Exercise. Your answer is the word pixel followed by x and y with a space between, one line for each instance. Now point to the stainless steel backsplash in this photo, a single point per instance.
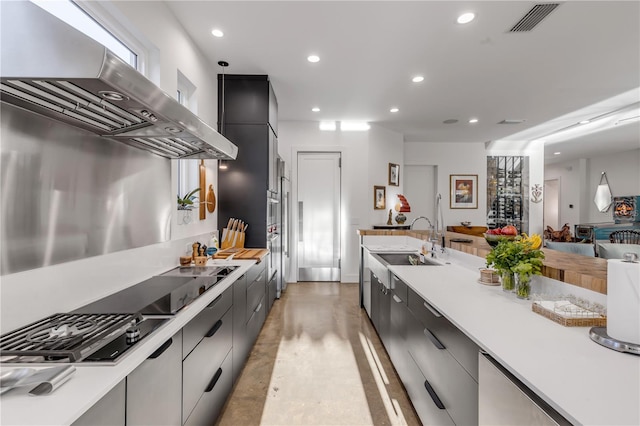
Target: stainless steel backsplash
pixel 68 194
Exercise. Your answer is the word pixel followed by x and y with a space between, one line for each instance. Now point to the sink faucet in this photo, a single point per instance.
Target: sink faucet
pixel 421 217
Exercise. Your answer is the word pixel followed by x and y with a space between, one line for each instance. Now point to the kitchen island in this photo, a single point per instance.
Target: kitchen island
pixel 90 383
pixel 583 381
pixel 582 271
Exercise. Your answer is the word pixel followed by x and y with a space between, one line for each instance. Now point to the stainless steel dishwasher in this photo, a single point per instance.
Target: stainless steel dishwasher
pixel 505 400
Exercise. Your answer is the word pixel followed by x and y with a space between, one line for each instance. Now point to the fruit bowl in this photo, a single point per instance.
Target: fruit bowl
pixel 494 239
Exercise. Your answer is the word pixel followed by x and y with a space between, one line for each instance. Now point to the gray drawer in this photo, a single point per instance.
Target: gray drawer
pixel 255 322
pixel 463 349
pixel 205 321
pixel 202 363
pixel 399 288
pixel 255 293
pixel 255 271
pixel 422 401
pixel 457 390
pixel 210 404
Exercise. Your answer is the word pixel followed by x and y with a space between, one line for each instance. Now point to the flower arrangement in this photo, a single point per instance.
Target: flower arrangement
pixel 517 256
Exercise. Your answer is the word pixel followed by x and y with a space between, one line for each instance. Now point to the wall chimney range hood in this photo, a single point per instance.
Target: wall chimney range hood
pixel 49 67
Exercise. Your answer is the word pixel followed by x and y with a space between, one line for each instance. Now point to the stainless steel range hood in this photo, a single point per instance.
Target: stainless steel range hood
pixel 49 67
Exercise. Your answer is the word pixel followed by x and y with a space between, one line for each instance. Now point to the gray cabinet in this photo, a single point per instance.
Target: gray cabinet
pixel 154 388
pixel 249 313
pixel 432 342
pixel 215 394
pixel 201 367
pixel 241 345
pixel 108 411
pixel 380 308
pixel 398 322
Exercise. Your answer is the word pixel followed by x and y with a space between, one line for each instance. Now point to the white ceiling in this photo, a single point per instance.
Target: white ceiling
pixel 583 53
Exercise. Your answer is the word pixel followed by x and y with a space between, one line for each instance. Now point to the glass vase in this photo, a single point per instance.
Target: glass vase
pixel 508 283
pixel 523 286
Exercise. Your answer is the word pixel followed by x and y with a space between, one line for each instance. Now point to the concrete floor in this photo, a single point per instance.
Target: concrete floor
pixel 318 361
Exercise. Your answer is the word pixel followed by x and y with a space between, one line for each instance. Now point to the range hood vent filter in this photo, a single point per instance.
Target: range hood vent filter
pixel 533 17
pixel 59 72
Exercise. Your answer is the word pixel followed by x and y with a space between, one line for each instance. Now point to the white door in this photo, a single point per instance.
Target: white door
pixel 318 216
pixel 420 190
pixel 551 200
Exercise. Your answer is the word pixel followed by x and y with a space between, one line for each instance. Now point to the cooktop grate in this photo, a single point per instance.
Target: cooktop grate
pixel 65 337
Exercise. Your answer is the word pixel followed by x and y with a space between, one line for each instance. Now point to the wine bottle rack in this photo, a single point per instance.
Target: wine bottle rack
pixel 507 200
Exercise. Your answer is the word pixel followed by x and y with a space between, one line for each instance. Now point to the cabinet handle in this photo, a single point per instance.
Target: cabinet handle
pixel 259 277
pixel 397 299
pixel 216 300
pixel 161 349
pixel 433 395
pixel 433 310
pixel 437 343
pixel 214 380
pixel 300 222
pixel 258 308
pixel 214 329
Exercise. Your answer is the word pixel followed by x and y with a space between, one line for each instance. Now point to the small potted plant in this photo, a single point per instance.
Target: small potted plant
pixel 186 202
pixel 519 257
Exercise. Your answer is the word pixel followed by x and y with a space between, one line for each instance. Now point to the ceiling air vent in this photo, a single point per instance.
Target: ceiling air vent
pixel 533 17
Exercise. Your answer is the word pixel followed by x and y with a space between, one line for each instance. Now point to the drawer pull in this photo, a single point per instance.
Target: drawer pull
pixel 259 278
pixel 214 329
pixel 216 300
pixel 433 395
pixel 397 299
pixel 433 310
pixel 258 308
pixel 214 380
pixel 437 343
pixel 161 349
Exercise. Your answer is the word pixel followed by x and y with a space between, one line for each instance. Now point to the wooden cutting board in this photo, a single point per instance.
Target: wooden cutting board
pixel 256 254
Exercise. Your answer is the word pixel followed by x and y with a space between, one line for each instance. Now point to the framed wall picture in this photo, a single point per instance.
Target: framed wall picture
pixel 394 174
pixel 463 191
pixel 379 198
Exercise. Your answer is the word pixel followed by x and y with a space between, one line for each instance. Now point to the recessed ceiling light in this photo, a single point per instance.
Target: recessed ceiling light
pixel 394 109
pixel 313 58
pixel 315 109
pixel 473 120
pixel 417 79
pixel 465 18
pixel 557 153
pixel 328 125
pixel 217 33
pixel 354 126
pixel 584 122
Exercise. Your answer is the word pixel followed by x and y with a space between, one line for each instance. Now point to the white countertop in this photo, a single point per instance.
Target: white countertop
pixel 585 382
pixel 90 383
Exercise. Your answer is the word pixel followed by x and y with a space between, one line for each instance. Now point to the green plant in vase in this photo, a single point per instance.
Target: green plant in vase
pixel 506 257
pixel 530 263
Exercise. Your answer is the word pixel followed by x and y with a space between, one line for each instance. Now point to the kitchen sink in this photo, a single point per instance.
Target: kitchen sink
pixel 405 259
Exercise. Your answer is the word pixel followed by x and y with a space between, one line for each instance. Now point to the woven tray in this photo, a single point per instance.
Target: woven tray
pixel 569 322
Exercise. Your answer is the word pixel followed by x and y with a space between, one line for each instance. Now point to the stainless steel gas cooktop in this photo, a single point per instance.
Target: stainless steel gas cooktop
pixel 104 330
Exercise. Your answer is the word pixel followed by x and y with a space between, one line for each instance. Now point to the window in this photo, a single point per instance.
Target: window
pixel 186 93
pixel 73 15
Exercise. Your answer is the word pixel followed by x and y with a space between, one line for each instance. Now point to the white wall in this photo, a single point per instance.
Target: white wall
pixel 453 158
pixel 569 177
pixel 365 158
pixel 30 295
